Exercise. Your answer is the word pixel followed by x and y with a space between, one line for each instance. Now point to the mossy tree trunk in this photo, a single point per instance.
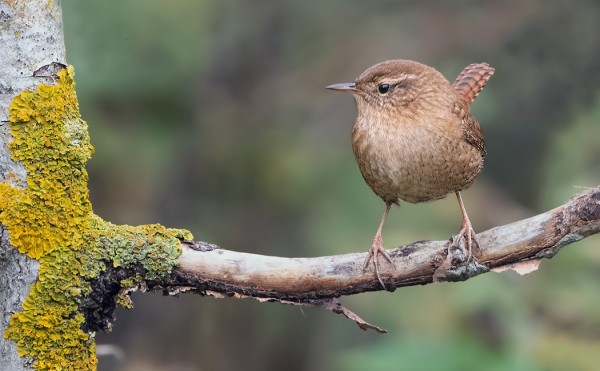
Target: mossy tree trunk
pixel 31 37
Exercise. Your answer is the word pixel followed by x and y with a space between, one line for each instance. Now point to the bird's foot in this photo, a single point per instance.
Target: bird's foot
pixel 375 250
pixel 468 234
pixel 461 261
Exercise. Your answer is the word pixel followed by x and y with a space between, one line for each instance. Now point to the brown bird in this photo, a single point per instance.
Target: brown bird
pixel 414 138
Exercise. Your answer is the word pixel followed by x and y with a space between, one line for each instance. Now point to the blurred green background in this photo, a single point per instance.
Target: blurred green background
pixel 212 116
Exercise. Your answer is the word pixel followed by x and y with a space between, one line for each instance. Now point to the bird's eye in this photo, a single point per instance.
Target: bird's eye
pixel 383 88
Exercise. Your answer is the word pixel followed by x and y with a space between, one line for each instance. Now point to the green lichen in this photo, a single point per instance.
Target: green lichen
pixel 123 298
pixel 52 221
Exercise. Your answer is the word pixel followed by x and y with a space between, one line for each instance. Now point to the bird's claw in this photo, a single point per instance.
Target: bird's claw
pixel 375 250
pixel 468 234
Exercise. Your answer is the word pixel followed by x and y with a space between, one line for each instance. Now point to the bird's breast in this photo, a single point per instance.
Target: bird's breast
pixel 414 161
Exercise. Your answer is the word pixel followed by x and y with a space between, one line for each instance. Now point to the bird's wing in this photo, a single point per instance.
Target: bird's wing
pixel 473 134
pixel 471 80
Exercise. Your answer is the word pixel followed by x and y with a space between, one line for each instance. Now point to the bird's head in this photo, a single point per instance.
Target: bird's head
pixel 393 85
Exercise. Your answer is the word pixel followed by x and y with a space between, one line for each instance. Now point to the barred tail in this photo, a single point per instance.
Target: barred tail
pixel 471 80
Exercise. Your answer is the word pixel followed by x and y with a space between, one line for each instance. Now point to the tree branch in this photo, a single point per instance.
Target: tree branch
pixel 208 269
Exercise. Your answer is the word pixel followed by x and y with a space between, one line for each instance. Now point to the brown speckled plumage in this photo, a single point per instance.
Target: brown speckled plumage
pixel 414 138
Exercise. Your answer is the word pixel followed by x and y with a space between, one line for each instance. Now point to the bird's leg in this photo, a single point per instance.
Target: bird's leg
pixel 466 231
pixel 377 247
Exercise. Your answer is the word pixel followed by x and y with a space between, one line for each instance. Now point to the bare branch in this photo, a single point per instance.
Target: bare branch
pixel 207 268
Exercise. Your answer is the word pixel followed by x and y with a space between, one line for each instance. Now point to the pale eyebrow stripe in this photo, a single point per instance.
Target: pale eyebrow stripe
pixel 397 80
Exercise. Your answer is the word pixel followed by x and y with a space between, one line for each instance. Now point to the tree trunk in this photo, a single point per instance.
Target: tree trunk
pixel 31 37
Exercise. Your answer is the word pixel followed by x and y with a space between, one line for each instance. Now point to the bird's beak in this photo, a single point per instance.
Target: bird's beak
pixel 348 86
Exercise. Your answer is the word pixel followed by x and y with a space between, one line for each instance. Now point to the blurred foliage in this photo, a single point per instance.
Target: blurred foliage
pixel 212 116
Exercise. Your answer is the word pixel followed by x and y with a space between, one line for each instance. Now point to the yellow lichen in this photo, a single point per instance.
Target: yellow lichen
pixel 52 220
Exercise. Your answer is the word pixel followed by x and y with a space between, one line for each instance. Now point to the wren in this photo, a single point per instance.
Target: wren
pixel 415 139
